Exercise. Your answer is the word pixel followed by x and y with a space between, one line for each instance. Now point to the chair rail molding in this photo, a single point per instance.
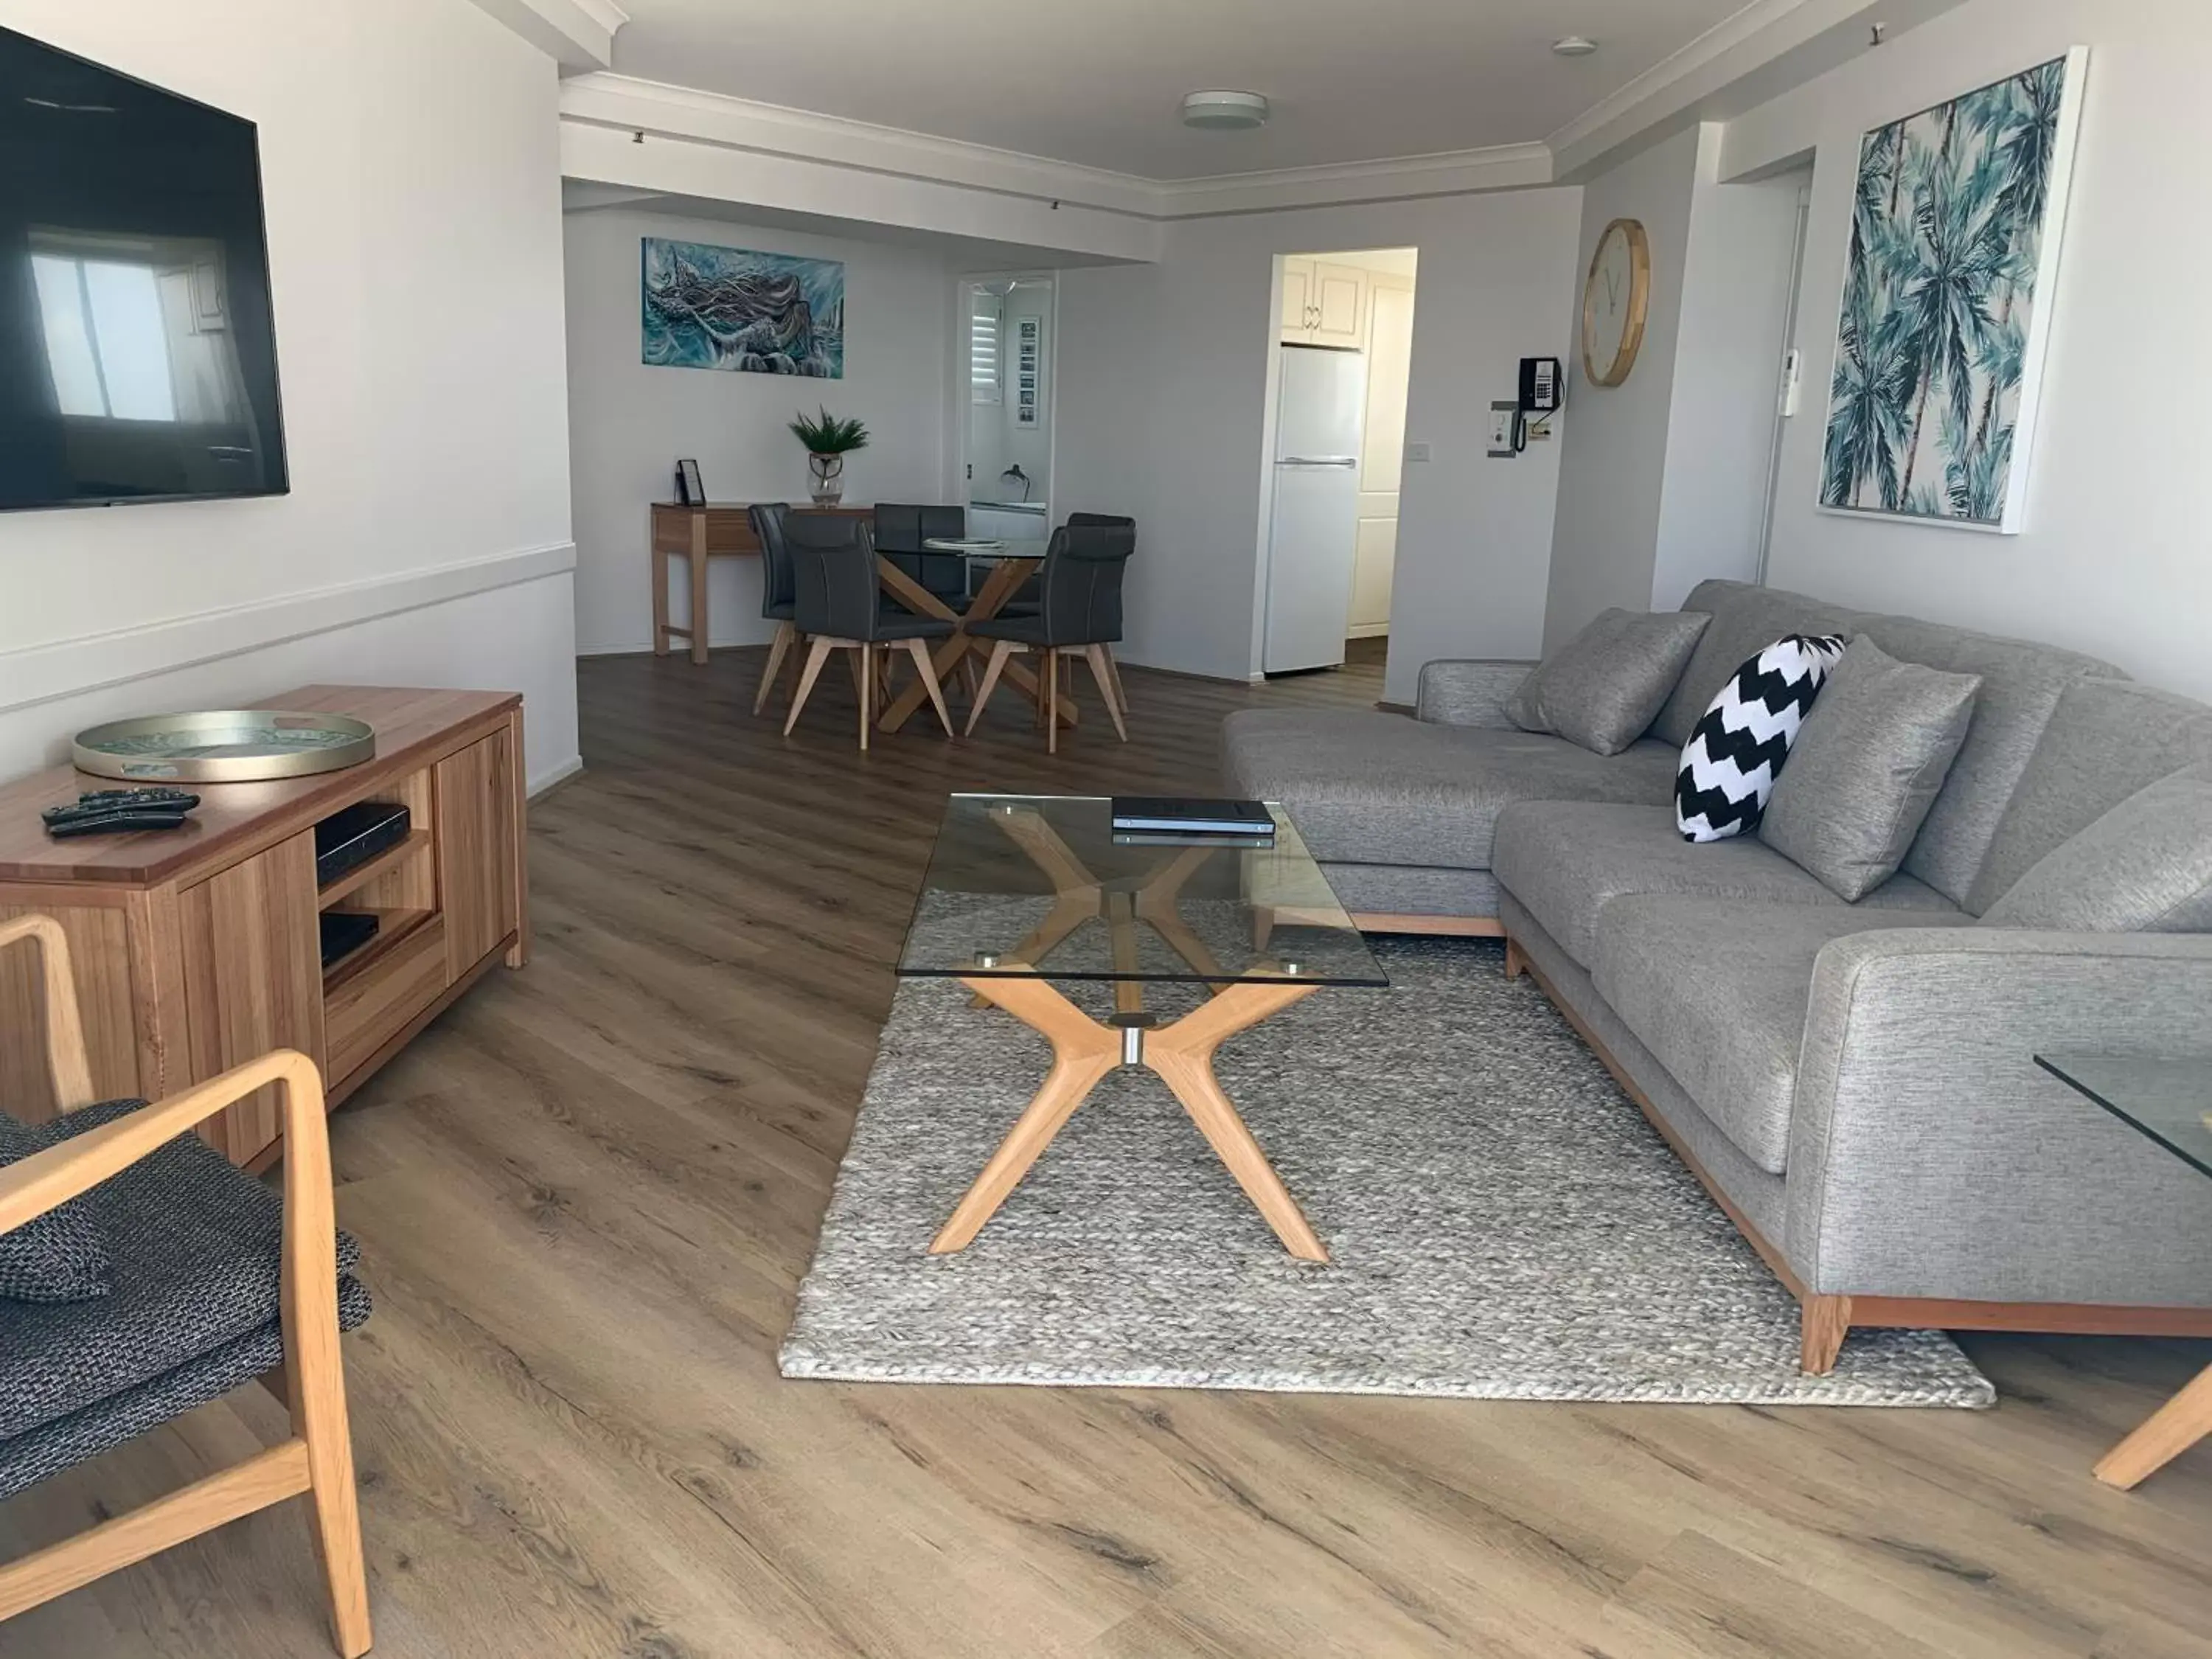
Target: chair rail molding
pixel 41 673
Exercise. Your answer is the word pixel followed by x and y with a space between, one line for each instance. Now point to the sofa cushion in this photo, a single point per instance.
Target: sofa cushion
pixel 1733 759
pixel 2022 683
pixel 1375 788
pixel 1866 767
pixel 2144 867
pixel 1717 989
pixel 2107 739
pixel 1601 689
pixel 1745 619
pixel 1565 860
pixel 59 1256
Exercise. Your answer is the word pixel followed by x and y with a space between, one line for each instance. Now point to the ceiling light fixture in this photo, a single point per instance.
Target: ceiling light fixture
pixel 1224 111
pixel 1574 45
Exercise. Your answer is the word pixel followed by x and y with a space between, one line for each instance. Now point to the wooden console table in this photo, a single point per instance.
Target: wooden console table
pixel 198 949
pixel 698 534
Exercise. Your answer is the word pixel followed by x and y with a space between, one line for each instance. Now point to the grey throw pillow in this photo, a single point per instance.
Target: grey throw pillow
pixel 2144 867
pixel 60 1256
pixel 1602 689
pixel 1866 767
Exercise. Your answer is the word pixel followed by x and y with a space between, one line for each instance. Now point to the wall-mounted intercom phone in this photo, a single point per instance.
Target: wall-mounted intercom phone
pixel 1543 389
pixel 1541 385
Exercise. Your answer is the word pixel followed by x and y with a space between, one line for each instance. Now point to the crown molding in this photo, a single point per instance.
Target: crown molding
pixel 1453 172
pixel 1763 51
pixel 577 34
pixel 661 110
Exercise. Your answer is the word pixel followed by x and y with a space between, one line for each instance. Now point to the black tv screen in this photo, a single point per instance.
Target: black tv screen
pixel 137 350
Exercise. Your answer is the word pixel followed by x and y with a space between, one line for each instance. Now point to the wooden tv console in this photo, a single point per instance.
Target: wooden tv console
pixel 195 949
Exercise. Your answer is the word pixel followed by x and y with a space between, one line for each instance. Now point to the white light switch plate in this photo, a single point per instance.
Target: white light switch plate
pixel 1417 452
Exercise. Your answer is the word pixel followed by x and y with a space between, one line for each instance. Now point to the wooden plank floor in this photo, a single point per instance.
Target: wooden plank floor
pixel 588 1194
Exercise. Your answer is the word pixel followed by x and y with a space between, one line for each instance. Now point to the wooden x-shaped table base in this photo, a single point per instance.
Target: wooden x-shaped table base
pixel 990 598
pixel 1181 1054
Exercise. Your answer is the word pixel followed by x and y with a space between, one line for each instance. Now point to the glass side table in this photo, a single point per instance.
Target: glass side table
pixel 2171 1102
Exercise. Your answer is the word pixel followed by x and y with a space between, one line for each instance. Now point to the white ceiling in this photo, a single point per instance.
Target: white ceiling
pixel 1099 81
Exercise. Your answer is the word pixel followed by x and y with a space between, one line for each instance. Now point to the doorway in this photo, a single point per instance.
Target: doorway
pixel 1010 354
pixel 1337 440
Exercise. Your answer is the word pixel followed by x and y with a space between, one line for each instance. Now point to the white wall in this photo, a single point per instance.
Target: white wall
pixel 629 423
pixel 1612 466
pixel 1166 391
pixel 2114 559
pixel 1729 345
pixel 410 166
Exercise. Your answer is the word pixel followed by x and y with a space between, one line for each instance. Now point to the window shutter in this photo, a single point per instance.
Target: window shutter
pixel 986 352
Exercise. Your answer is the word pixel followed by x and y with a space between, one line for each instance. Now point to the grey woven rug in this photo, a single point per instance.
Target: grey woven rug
pixel 1503 1222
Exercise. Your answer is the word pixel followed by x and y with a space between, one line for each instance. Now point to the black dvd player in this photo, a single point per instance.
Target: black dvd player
pixel 352 836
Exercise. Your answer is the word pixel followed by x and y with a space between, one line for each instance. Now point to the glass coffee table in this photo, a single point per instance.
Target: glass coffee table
pixel 1026 893
pixel 2171 1102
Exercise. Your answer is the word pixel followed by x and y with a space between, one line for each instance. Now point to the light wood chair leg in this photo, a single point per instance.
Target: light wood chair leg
pixel 314 1380
pixel 816 655
pixel 2172 1430
pixel 1096 656
pixel 923 666
pixel 1114 668
pixel 1824 1322
pixel 1000 650
pixel 868 656
pixel 785 634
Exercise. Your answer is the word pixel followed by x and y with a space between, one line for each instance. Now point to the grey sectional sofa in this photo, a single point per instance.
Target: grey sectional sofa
pixel 1854 1083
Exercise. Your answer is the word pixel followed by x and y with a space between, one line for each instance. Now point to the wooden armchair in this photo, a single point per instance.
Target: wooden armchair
pixel 177 1307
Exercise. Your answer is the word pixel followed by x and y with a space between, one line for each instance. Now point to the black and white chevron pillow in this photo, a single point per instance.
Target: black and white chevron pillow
pixel 1736 752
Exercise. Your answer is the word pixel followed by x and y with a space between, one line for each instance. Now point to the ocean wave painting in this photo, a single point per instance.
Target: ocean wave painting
pixel 733 308
pixel 1955 221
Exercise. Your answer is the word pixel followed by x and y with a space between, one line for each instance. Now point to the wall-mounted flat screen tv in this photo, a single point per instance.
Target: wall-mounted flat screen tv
pixel 137 350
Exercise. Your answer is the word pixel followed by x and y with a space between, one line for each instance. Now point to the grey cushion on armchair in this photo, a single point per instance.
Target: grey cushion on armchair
pixel 192 1312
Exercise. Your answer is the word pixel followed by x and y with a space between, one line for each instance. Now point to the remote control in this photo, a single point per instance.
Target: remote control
pixel 114 822
pixel 156 800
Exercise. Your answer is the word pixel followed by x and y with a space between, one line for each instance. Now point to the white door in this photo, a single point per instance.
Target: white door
pixel 1381 455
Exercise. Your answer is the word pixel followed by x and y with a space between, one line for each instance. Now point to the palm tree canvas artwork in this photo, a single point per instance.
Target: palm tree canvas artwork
pixel 1954 229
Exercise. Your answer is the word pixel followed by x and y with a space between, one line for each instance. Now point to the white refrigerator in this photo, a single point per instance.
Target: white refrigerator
pixel 1313 532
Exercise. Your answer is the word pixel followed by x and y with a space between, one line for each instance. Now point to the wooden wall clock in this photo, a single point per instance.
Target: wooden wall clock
pixel 1616 300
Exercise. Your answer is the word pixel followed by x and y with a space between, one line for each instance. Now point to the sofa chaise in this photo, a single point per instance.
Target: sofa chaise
pixel 1854 1083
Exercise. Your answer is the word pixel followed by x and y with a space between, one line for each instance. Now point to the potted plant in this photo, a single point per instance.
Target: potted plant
pixel 829 440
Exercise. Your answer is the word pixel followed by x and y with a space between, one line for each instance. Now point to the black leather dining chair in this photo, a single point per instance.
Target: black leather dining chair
pixel 902 528
pixel 838 605
pixel 1079 614
pixel 778 594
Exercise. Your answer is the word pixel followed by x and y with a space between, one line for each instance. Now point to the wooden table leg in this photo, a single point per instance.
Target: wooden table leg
pixel 698 587
pixel 1083 1051
pixel 2172 1430
pixel 659 600
pixel 1181 1054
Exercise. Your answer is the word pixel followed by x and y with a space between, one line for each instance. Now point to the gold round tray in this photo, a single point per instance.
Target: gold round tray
pixel 232 745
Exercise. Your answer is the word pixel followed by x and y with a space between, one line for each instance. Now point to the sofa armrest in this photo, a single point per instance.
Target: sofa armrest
pixel 1469 693
pixel 1931 1156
